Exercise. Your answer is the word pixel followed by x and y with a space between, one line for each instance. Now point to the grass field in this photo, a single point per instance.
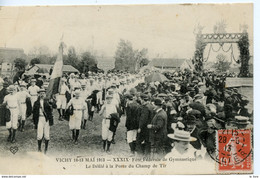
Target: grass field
pixel 90 142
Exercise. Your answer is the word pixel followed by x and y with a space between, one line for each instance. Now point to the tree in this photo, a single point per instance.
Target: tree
pixel 128 59
pixel 20 63
pixel 35 61
pixel 222 65
pixel 71 58
pixel 220 27
pixel 144 62
pixel 88 62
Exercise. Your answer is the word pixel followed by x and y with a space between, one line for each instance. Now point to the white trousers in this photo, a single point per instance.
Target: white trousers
pixel 131 135
pixel 33 99
pixel 106 133
pixel 99 98
pixel 43 129
pixel 13 123
pixel 23 111
pixel 61 102
pixel 75 120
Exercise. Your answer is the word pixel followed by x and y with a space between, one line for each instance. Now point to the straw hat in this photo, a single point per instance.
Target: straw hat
pixel 182 135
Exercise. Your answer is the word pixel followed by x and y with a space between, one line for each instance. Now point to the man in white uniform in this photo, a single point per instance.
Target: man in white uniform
pixel 79 105
pixel 12 103
pixel 33 91
pixel 61 99
pixel 84 95
pixel 22 95
pixel 107 109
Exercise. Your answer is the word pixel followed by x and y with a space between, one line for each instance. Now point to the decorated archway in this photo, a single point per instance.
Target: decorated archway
pixel 240 38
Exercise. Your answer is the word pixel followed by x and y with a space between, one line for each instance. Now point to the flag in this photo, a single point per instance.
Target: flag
pixel 56 75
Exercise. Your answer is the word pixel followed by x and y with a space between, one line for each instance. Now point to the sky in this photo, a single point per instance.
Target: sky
pixel 165 30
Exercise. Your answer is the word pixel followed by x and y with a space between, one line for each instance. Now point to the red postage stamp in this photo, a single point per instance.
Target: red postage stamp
pixel 234 148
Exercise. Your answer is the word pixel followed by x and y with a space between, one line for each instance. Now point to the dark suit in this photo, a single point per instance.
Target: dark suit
pixel 47 107
pixel 158 133
pixel 145 118
pixel 132 113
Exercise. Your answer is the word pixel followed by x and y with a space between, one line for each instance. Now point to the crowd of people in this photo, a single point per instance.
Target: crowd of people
pixel 169 118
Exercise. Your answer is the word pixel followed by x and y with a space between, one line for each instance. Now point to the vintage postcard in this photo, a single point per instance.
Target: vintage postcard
pixel 126 89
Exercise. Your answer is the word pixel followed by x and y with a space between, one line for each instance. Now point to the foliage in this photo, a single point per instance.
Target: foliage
pixel 198 56
pixel 72 58
pixel 35 61
pixel 220 27
pixel 128 59
pixel 243 46
pixel 88 63
pixel 20 63
pixel 222 65
pixel 144 62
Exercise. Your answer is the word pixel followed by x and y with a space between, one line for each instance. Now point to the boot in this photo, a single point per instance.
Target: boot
pixel 46 146
pixel 76 137
pixel 10 135
pixel 19 125
pixel 84 124
pixel 59 111
pixel 73 134
pixel 63 113
pixel 39 145
pixel 134 146
pixel 13 136
pixel 131 145
pixel 22 128
pixel 108 146
pixel 104 145
pixel 113 138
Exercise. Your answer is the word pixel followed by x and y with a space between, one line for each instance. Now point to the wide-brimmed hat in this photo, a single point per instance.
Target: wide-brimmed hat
pixel 242 120
pixel 33 80
pixel 11 88
pixel 109 96
pixel 182 135
pixel 41 90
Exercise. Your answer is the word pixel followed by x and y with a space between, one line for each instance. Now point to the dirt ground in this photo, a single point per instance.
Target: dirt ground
pixel 90 141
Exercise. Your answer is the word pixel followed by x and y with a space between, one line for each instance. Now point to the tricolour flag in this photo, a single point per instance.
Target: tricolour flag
pixel 56 75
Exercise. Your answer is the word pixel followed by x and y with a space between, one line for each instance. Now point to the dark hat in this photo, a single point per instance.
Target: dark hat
pixel 144 96
pixel 167 98
pixel 191 119
pixel 197 106
pixel 194 112
pixel 5 84
pixel 158 101
pixel 129 96
pixel 244 102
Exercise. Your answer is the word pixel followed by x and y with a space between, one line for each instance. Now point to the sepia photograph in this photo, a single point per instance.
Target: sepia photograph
pixel 159 89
